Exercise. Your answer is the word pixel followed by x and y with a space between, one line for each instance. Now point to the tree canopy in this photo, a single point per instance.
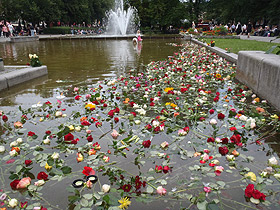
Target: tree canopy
pixel 152 13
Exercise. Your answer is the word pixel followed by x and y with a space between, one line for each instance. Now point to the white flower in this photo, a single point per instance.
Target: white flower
pixel 13 153
pixel 243 118
pixel 55 155
pixel 19 140
pixel 156 98
pixel 39 183
pixel 218 140
pixel 213 122
pixel 255 201
pixel 230 157
pixel 272 161
pixel 141 111
pixel 47 140
pixel 13 144
pixel 64 115
pixel 105 188
pixel 264 174
pixel 58 114
pixel 137 122
pixel 13 202
pixel 2 149
pixel 277 176
pixel 78 128
pixel 155 123
pixel 254 96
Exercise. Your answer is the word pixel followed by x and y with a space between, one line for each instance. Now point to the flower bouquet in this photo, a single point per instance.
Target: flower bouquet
pixel 212 43
pixel 34 60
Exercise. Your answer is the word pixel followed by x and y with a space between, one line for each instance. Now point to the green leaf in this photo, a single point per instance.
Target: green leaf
pixel 87 196
pixel 212 206
pixel 106 198
pixel 150 189
pixel 66 170
pixel 202 205
pixel 73 199
pixel 84 202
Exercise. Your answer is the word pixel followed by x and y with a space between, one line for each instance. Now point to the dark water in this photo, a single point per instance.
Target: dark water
pixel 72 62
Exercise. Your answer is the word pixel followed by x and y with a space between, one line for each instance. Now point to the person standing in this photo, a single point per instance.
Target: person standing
pixel 249 29
pixel 238 28
pixel 5 31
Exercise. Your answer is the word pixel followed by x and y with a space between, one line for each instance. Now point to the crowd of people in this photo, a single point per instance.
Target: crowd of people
pixel 8 29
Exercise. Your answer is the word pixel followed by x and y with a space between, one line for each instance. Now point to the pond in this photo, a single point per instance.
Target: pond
pixel 75 62
pixel 179 133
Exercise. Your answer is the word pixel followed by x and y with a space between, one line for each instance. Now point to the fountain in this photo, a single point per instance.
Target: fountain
pixel 120 21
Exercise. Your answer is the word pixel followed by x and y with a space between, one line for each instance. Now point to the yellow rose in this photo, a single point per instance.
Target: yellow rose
pixel 252 176
pixel 48 167
pixel 71 127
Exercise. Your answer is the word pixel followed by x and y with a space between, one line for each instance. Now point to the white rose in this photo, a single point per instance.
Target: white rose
pixel 13 203
pixel 213 122
pixel 58 114
pixel 230 157
pixel 137 122
pixel 277 176
pixel 78 128
pixel 13 144
pixel 243 118
pixel 64 115
pixel 47 140
pixel 272 161
pixel 105 188
pixel 39 183
pixel 19 140
pixel 2 149
pixel 13 153
pixel 55 155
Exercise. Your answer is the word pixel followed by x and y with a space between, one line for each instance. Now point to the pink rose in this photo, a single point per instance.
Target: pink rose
pixel 161 190
pixel 23 183
pixel 115 134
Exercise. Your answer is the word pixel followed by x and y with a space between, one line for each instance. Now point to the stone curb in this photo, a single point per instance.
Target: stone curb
pixel 18 76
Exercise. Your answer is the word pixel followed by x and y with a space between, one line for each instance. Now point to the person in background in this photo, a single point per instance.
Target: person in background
pixel 11 29
pixel 238 28
pixel 244 29
pixel 5 31
pixel 249 29
pixel 138 35
pixel 232 28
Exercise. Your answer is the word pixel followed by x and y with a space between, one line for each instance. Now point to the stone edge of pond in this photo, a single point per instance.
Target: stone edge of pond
pixel 232 57
pixel 14 75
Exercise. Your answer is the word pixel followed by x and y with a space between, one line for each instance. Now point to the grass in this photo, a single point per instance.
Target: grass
pixel 237 45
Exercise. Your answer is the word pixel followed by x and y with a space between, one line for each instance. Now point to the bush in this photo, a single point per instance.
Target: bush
pixel 57 30
pixel 220 30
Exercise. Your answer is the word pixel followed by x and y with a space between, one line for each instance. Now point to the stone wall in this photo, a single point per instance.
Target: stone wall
pixel 24 38
pixel 14 75
pixel 261 73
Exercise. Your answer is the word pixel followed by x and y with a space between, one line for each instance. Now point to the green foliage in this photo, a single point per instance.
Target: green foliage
pixel 57 30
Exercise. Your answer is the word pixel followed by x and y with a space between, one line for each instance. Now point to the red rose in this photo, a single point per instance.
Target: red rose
pixel 117 110
pixel 249 190
pixel 152 104
pixel 48 132
pixel 28 162
pixel 232 129
pixel 236 139
pixel 187 129
pixel 138 85
pixel 89 138
pixel 77 97
pixel 111 113
pixel 30 133
pixel 221 116
pixel 42 175
pixel 157 129
pixel 133 113
pixel 148 127
pixel 88 171
pixel 131 103
pixel 158 169
pixel 211 111
pixel 116 119
pixel 126 187
pixel 147 143
pixel 85 123
pixel 75 141
pixel 166 169
pixel 98 124
pixel 224 140
pixel 216 99
pixel 14 184
pixel 211 139
pixel 68 137
pixel 4 118
pixel 105 105
pixel 223 150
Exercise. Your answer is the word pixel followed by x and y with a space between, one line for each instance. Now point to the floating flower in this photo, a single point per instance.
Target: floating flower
pixel 105 188
pixel 88 171
pixel 48 167
pixel 125 202
pixel 13 203
pixel 80 157
pixel 161 190
pixel 23 183
pixel 272 161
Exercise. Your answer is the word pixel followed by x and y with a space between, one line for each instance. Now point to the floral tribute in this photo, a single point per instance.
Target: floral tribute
pixel 34 60
pixel 181 131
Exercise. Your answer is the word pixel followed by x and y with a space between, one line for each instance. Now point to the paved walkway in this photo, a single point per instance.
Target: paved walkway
pixel 261 39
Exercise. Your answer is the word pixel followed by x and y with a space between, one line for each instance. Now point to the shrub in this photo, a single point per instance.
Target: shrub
pixel 57 30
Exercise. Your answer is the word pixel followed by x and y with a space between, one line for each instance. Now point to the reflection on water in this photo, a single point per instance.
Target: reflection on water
pixel 74 62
